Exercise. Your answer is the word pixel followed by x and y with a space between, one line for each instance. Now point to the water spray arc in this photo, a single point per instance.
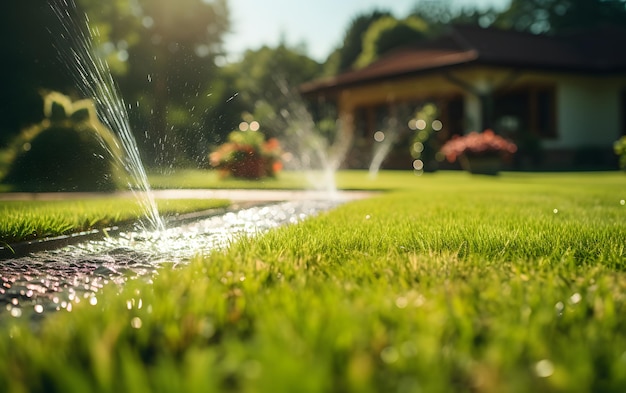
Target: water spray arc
pixel 94 80
pixel 319 155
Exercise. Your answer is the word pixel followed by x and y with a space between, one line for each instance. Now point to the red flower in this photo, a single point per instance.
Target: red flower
pixel 474 143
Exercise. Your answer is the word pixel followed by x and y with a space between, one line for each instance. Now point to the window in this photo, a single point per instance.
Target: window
pixel 530 109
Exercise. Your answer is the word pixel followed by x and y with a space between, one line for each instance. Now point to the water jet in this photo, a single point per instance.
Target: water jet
pixel 94 80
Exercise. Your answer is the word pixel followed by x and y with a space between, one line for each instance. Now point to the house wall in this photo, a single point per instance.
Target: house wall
pixel 588 112
pixel 588 108
pixel 395 91
pixel 473 112
pixel 481 79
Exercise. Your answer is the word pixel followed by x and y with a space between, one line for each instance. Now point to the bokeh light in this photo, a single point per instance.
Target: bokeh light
pixel 437 125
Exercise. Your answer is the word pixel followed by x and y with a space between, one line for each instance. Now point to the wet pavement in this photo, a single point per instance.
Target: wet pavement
pixel 53 280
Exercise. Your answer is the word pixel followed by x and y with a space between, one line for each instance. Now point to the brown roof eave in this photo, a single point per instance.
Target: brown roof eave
pixel 333 89
pixel 339 82
pixel 330 89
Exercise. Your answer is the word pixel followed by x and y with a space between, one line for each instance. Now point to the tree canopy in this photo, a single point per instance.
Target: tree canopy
pixel 553 16
pixel 266 78
pixel 166 59
pixel 388 33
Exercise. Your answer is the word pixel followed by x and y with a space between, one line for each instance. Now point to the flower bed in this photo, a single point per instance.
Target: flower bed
pixel 481 153
pixel 247 155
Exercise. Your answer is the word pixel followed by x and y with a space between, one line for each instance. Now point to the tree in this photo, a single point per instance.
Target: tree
pixel 434 12
pixel 553 16
pixel 353 40
pixel 162 53
pixel 265 78
pixel 388 33
pixel 438 14
pixel 173 60
pixel 30 64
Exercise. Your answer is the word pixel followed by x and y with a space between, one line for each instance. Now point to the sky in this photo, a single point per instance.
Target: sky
pixel 320 24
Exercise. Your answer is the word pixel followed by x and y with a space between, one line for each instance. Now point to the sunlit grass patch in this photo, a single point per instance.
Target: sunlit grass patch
pixel 450 283
pixel 23 220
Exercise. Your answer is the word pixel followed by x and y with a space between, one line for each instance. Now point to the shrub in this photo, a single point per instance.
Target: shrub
pixel 247 155
pixel 70 150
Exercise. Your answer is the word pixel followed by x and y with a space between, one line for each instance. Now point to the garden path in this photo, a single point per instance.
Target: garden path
pixel 230 194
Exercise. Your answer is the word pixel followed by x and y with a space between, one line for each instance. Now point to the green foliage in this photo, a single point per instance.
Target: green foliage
pixel 448 284
pixel 620 149
pixel 540 16
pixel 352 45
pixel 247 155
pixel 70 150
pixel 426 141
pixel 267 77
pixel 388 33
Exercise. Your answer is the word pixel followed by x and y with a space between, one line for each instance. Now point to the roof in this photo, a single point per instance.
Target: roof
pixel 588 51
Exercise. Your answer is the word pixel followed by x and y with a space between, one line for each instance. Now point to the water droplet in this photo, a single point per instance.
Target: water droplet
pixel 555 211
pixel 575 298
pixel 135 323
pixel 544 368
pixel 402 302
pixel 379 136
pixel 559 307
pixel 622 202
pixel 93 301
pixel 389 355
pixel 419 301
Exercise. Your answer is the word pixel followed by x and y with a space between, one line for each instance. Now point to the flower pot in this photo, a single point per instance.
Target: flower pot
pixel 481 164
pixel 250 168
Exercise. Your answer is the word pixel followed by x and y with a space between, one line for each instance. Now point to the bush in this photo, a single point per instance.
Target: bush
pixel 247 155
pixel 70 150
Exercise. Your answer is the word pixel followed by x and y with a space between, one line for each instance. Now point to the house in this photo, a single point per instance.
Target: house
pixel 561 98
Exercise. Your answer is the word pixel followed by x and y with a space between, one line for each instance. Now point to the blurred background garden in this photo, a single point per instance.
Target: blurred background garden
pixel 188 82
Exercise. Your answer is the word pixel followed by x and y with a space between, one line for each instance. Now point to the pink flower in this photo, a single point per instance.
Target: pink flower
pixel 474 143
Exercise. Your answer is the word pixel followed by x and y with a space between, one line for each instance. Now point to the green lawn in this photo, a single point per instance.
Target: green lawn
pixel 448 283
pixel 36 219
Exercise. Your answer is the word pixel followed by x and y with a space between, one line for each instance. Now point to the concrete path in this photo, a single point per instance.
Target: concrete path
pixel 238 195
